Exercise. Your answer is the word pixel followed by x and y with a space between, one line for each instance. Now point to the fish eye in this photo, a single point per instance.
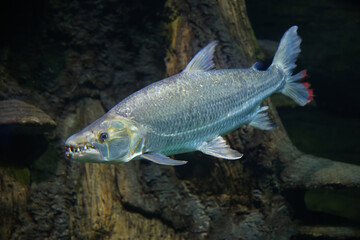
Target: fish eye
pixel 103 136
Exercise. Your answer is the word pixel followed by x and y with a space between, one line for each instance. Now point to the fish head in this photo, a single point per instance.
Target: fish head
pixel 110 139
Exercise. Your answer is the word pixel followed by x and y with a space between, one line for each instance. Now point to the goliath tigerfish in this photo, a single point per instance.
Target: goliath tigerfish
pixel 191 110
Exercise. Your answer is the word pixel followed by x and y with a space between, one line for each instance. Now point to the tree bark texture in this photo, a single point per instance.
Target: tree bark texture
pixel 105 58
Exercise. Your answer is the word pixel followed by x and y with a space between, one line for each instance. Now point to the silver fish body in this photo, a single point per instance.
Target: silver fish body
pixel 181 112
pixel 191 110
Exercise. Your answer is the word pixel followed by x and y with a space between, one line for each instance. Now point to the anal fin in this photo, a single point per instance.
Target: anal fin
pixel 162 159
pixel 217 147
pixel 262 120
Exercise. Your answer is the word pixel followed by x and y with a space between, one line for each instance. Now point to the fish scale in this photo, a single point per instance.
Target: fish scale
pixel 198 106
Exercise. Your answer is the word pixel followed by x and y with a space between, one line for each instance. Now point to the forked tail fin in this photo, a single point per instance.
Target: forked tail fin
pixel 285 58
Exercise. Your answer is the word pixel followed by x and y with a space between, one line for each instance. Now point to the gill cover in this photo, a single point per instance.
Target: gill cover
pixel 118 139
pixel 110 139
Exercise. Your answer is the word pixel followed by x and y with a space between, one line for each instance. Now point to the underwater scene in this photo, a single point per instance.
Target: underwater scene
pixel 174 119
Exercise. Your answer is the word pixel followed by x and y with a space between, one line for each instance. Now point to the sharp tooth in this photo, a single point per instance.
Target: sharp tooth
pixel 69 150
pixel 78 149
pixel 85 147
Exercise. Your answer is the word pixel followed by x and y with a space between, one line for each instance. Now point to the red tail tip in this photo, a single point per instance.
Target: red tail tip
pixel 310 91
pixel 304 73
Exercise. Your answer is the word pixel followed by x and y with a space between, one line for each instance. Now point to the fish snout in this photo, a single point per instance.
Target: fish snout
pixel 70 141
pixel 77 139
pixel 78 146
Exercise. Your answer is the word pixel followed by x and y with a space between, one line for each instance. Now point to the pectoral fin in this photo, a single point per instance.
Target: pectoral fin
pixel 162 159
pixel 218 148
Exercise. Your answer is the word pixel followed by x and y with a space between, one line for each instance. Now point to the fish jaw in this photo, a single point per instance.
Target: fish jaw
pixel 111 139
pixel 80 149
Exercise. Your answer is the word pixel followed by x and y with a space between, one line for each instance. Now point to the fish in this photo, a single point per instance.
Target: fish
pixel 192 110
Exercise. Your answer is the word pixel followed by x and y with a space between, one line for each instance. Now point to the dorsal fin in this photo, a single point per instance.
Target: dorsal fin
pixel 203 60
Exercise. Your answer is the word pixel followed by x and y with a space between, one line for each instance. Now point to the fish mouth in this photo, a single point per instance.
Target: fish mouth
pixel 85 150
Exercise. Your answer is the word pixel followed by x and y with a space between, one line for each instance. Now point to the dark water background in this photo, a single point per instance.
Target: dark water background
pixel 330 126
pixel 330 31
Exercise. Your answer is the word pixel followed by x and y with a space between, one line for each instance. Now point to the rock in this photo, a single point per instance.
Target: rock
pixel 326 232
pixel 13 199
pixel 20 113
pixel 308 172
pixel 22 127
